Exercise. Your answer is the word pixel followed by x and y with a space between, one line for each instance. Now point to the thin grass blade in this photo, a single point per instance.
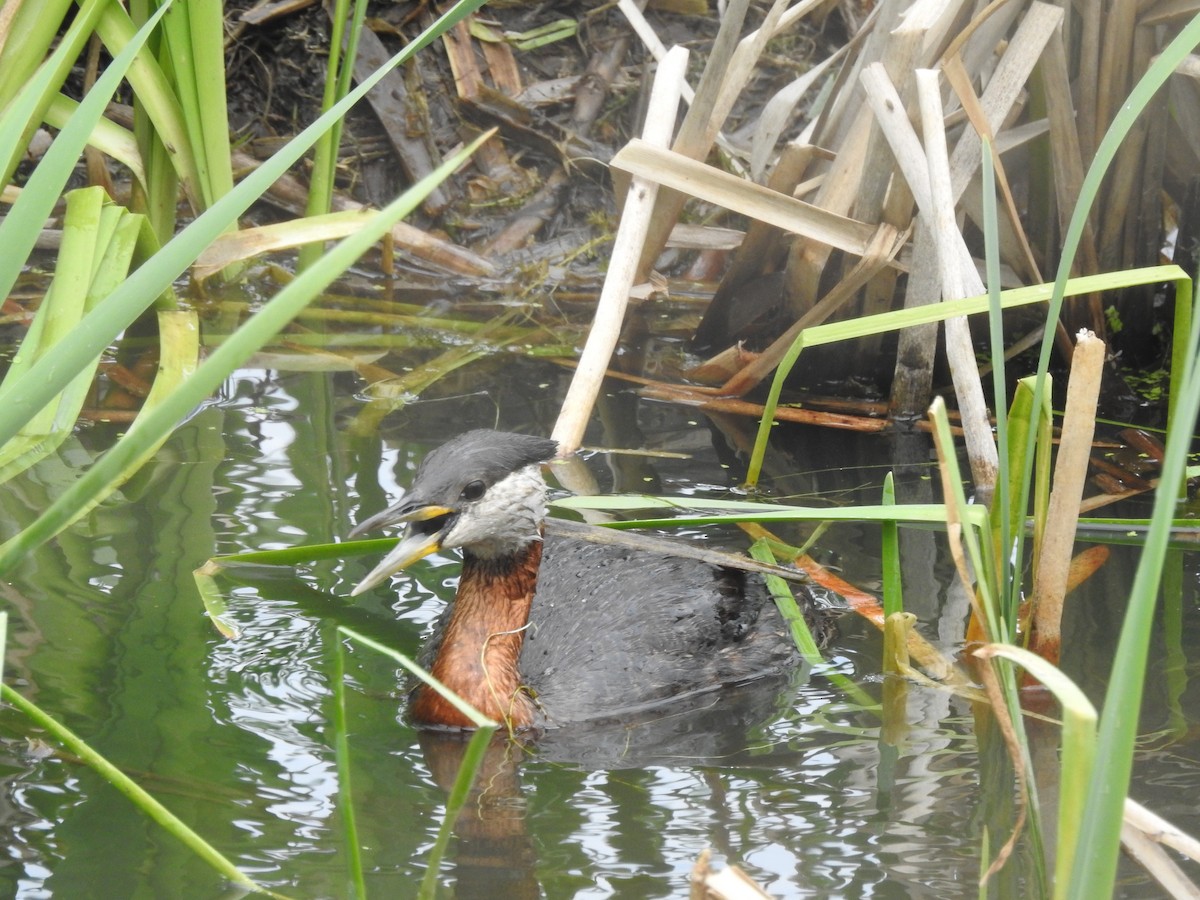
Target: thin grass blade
pixel 785 601
pixel 341 746
pixel 1002 502
pixel 1078 750
pixel 478 719
pixel 882 323
pixel 468 770
pixel 893 590
pixel 1094 867
pixel 1094 870
pixel 127 786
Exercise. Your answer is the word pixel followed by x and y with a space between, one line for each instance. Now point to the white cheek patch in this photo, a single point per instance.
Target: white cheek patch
pixel 507 517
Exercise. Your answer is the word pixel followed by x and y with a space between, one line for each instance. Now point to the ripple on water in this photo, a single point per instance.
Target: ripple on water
pixel 270 685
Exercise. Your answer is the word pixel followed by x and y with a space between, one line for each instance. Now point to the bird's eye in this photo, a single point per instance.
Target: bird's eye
pixel 473 491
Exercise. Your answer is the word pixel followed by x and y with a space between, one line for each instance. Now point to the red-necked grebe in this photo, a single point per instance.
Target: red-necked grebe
pixel 550 630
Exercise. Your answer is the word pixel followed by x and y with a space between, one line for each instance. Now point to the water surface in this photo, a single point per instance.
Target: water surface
pixel 237 737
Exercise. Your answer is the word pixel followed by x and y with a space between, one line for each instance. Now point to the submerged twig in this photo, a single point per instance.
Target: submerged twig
pixel 530 218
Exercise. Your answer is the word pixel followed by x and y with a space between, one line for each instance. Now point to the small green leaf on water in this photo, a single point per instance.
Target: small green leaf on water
pixel 214 603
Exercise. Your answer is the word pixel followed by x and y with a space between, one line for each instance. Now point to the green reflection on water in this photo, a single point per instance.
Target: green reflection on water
pixel 236 737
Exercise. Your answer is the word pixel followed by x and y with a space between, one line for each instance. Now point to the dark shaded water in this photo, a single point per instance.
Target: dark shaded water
pixel 236 737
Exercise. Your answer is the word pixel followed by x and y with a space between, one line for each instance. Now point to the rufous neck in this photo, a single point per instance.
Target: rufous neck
pixel 481 646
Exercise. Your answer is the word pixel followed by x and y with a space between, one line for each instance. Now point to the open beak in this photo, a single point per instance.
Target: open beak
pixel 422 537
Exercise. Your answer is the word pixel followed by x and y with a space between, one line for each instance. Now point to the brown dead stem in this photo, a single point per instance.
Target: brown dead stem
pixel 1070 473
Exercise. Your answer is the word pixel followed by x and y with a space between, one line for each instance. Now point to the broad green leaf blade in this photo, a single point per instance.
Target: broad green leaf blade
pixel 98 244
pixel 101 326
pixel 1095 865
pixel 23 224
pixel 153 425
pixel 179 341
pixel 156 95
pixel 24 98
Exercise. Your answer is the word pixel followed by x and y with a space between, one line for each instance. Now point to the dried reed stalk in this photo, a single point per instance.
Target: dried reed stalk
pixel 631 237
pixel 693 139
pixel 989 61
pixel 1070 473
pixel 959 278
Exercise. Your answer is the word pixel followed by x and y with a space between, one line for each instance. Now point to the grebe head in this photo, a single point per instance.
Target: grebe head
pixel 482 491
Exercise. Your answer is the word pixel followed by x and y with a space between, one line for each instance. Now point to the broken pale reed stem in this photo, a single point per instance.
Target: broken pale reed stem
pixel 631 235
pixel 1158 863
pixel 916 347
pixel 1159 829
pixel 957 282
pixel 1070 474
